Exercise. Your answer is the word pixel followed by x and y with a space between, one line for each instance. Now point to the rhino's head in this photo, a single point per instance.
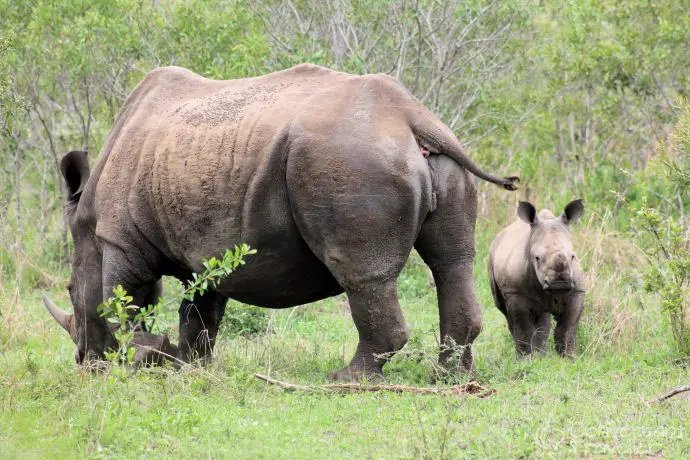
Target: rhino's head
pixel 550 246
pixel 85 282
pixel 150 349
pixel 87 329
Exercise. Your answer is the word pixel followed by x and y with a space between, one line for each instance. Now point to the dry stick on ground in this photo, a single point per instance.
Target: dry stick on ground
pixel 671 394
pixel 470 388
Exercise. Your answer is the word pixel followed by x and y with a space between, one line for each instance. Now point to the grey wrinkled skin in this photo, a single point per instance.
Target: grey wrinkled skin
pixel 320 171
pixel 534 273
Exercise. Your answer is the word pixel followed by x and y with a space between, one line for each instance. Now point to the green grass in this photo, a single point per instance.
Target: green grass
pixel 565 101
pixel 596 404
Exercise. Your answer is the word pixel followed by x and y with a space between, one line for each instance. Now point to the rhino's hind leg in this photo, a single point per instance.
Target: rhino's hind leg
pixel 446 243
pixel 381 326
pixel 199 323
pixel 459 313
pixel 360 215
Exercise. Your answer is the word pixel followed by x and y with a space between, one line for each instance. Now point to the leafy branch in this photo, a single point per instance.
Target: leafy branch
pixel 125 317
pixel 665 237
pixel 215 270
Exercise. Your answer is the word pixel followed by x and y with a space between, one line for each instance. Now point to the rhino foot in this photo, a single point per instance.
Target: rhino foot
pixel 356 374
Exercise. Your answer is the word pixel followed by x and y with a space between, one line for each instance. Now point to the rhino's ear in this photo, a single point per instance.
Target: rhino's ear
pixel 74 167
pixel 527 213
pixel 572 211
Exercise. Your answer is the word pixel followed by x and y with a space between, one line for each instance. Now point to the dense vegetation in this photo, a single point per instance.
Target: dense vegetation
pixel 581 98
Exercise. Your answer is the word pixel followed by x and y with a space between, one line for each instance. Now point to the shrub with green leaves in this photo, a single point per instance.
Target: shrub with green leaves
pixel 665 242
pixel 119 311
pixel 664 234
pixel 125 317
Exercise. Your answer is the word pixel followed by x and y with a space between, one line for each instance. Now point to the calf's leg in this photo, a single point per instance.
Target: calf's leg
pixel 541 334
pixel 522 325
pixel 566 324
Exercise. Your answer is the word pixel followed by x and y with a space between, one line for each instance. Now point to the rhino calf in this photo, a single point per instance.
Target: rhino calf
pixel 534 273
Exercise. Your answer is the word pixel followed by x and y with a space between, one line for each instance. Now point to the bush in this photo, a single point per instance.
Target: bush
pixel 664 234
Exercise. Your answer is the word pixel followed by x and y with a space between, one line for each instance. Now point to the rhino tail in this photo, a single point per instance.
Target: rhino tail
pixel 431 134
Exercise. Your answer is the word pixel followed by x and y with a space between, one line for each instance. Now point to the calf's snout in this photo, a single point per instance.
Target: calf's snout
pixel 559 262
pixel 558 274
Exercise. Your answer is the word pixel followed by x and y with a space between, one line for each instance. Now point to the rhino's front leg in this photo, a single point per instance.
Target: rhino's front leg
pixel 522 324
pixel 566 324
pixel 129 269
pixel 543 327
pixel 199 323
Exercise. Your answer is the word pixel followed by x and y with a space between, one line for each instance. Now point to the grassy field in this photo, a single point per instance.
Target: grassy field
pixel 579 98
pixel 594 405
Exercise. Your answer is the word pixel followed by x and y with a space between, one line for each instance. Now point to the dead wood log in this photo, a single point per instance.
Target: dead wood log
pixel 470 388
pixel 672 393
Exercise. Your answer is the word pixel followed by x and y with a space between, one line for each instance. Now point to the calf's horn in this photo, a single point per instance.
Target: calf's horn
pixel 63 318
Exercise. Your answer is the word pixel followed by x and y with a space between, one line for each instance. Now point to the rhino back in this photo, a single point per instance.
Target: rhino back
pixel 509 256
pixel 194 166
pixel 180 167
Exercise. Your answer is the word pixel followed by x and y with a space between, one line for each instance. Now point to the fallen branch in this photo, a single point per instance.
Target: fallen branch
pixel 671 394
pixel 470 388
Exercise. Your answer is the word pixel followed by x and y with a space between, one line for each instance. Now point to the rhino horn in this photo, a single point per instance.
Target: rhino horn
pixel 63 318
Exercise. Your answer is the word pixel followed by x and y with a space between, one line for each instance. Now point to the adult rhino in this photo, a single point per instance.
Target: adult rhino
pixel 324 173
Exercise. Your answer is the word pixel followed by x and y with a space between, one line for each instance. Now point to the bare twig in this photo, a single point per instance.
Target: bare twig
pixel 470 388
pixel 670 394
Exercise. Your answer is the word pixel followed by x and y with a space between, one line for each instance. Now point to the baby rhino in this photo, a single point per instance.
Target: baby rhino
pixel 534 273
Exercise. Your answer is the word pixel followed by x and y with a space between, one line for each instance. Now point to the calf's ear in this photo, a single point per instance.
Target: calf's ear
pixel 74 167
pixel 527 213
pixel 572 211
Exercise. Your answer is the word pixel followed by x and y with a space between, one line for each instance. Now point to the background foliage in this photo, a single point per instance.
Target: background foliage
pixel 576 96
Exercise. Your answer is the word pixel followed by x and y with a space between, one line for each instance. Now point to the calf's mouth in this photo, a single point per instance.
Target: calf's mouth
pixel 558 285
